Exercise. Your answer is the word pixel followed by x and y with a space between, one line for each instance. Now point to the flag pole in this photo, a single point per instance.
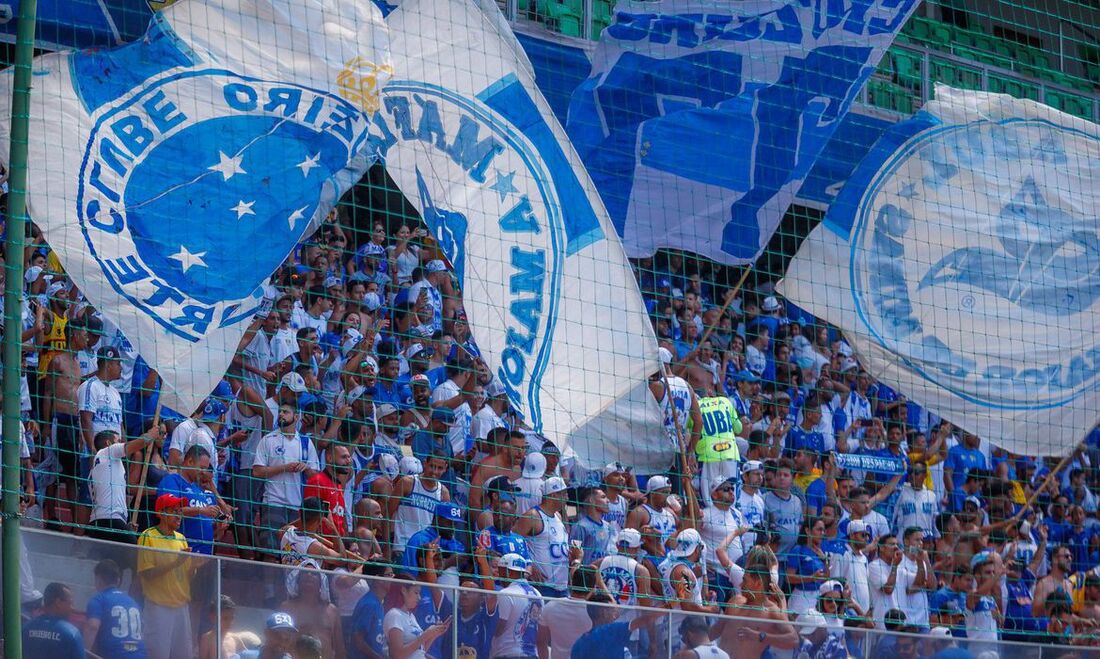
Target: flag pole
pixel 10 542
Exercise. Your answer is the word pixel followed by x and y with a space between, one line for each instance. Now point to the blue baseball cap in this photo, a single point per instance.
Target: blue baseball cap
pixel 746 375
pixel 448 510
pixel 222 391
pixel 281 620
pixel 213 410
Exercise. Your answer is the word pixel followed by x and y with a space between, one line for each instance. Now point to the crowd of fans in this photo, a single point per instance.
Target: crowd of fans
pixel 359 433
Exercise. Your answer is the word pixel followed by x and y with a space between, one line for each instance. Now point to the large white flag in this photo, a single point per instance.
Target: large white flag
pixel 548 290
pixel 173 175
pixel 962 261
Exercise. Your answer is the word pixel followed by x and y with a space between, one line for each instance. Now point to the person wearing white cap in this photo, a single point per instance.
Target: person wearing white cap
pixel 414 500
pixel 291 386
pixel 284 459
pixel 852 565
pixel 682 576
pixel 717 522
pixel 750 502
pixel 519 607
pixel 614 484
pixel 548 540
pixel 655 512
pixel 817 642
pixel 626 579
pixel 673 392
pixel 529 484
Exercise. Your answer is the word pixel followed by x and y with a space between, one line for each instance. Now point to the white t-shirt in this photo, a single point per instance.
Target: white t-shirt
pixel 300 318
pixel 275 450
pixel 852 567
pixel 200 435
pixel 107 480
pixel 878 573
pixel 258 355
pixel 518 607
pixel 914 605
pixel 484 422
pixel 284 343
pixel 410 629
pixel 460 428
pixel 295 546
pixel 105 404
pixel 717 524
pixel 755 360
pixel 181 436
pixel 567 620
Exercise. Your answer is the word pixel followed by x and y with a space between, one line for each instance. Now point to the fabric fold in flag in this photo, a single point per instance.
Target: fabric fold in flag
pixel 549 293
pixel 701 119
pixel 155 166
pixel 962 263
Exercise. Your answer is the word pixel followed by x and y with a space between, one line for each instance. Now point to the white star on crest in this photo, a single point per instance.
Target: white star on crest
pixel 309 163
pixel 243 208
pixel 295 216
pixel 188 260
pixel 227 166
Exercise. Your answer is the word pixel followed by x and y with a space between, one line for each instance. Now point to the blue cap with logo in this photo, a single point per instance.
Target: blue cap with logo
pixel 281 620
pixel 448 510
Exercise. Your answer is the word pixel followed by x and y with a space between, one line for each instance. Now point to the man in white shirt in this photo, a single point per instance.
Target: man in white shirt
pixel 749 500
pixel 435 274
pixel 519 608
pixel 917 505
pixel 852 565
pixel 285 459
pixel 100 403
pixel 454 393
pixel 283 342
pixel 318 307
pixel 202 431
pixel 915 579
pixel 882 574
pixel 107 480
pixel 489 416
pixel 756 348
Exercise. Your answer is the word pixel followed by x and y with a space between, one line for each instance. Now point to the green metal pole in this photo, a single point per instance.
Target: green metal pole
pixel 13 299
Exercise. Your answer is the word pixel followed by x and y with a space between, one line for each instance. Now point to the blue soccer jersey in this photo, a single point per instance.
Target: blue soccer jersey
pixel 119 635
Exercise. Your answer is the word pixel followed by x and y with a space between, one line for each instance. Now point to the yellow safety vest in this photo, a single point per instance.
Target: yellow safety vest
pixel 719 434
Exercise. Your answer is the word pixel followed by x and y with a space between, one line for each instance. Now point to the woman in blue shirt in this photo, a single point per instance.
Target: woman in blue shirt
pixel 807 566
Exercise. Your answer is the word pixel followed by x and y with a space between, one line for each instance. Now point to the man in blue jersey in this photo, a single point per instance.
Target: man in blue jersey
pixel 367 639
pixel 499 538
pixel 51 634
pixel 202 506
pixel 442 532
pixel 112 628
pixel 608 638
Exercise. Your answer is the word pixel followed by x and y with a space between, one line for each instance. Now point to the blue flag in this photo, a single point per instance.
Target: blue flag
pixel 701 118
pixel 173 175
pixel 962 263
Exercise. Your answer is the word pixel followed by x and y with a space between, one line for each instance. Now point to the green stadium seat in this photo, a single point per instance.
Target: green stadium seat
pixel 907 68
pixel 941 34
pixel 601 16
pixel 1012 87
pixel 889 96
pixel 921 29
pixel 1079 106
pixel 566 16
pixel 955 75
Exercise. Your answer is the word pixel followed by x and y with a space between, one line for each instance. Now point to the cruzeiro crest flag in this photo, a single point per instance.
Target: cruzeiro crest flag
pixel 702 118
pixel 962 261
pixel 547 288
pixel 173 175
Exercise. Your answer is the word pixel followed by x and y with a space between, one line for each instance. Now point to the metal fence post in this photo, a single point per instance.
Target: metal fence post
pixel 13 301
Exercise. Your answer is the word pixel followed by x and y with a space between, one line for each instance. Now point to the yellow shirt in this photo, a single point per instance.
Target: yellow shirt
pixel 803 480
pixel 53 343
pixel 171 589
pixel 932 460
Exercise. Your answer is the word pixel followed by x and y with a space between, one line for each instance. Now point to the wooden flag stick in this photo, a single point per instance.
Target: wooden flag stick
pixel 146 457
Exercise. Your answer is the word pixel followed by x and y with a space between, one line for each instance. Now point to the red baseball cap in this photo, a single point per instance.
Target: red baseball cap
pixel 169 501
